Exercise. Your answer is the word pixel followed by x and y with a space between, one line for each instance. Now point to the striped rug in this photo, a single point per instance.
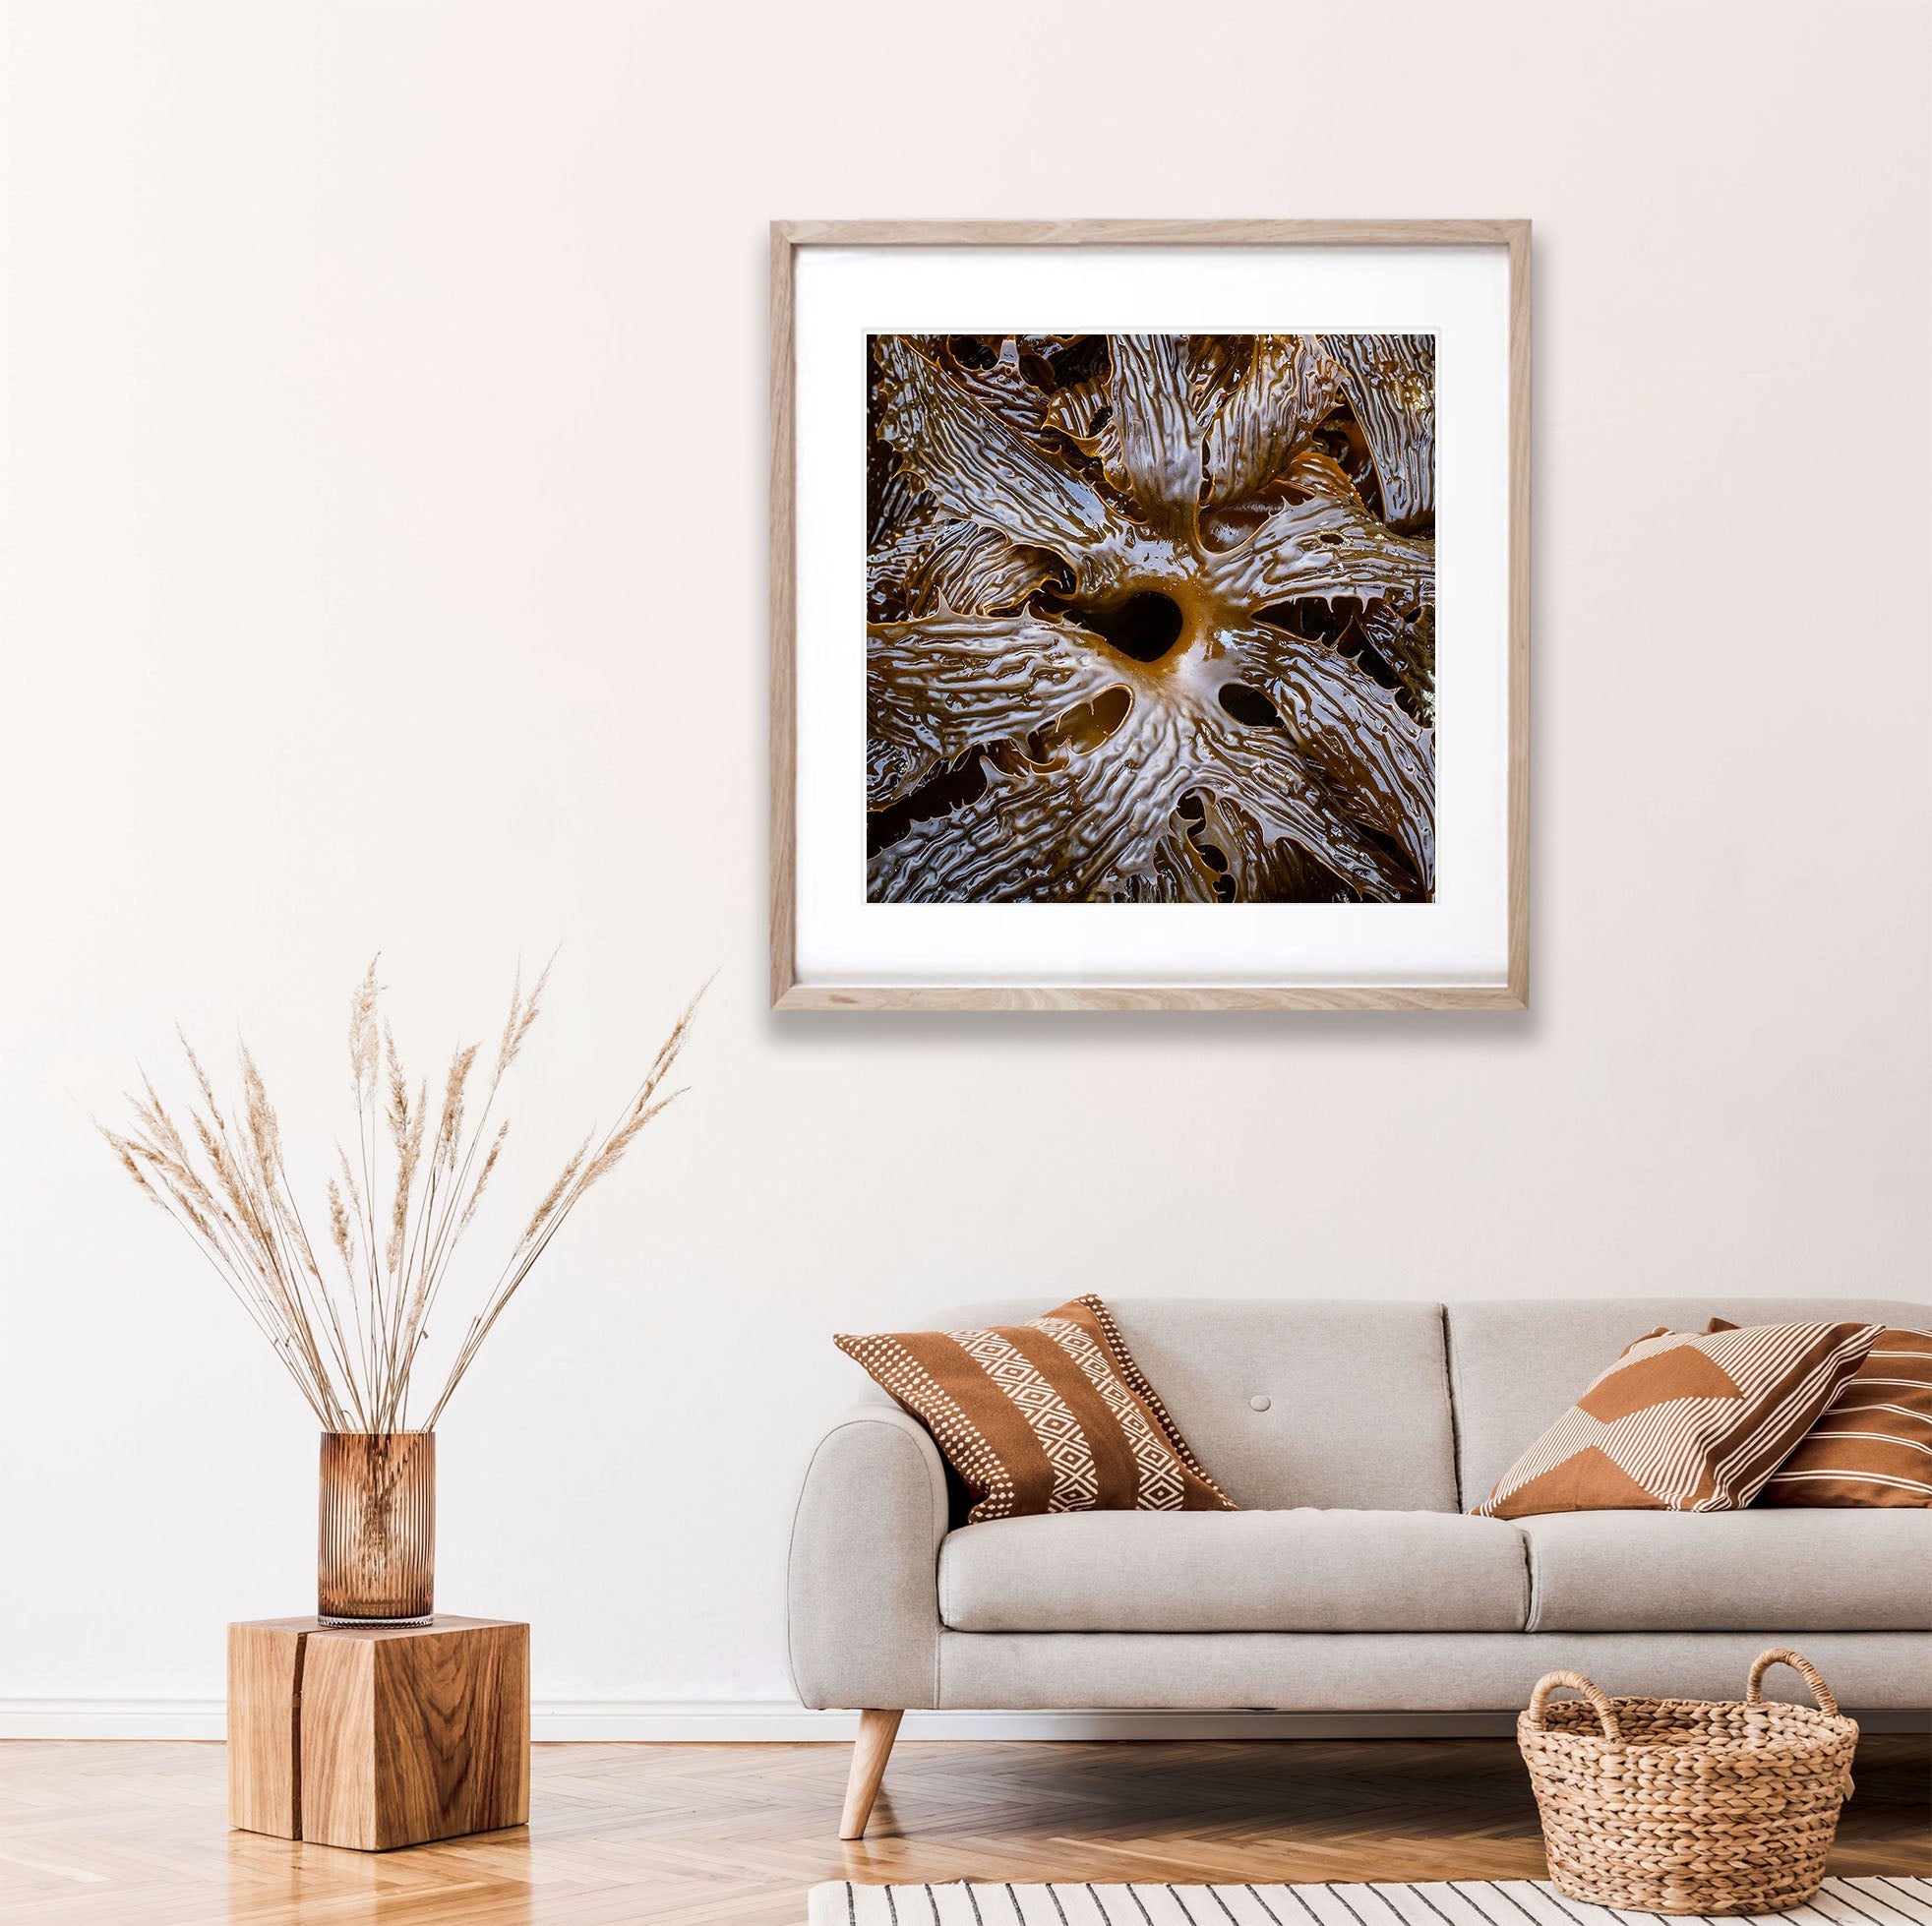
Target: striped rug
pixel 1875 1901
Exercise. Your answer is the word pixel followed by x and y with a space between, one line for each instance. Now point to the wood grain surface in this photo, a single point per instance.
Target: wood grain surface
pixel 134 1834
pixel 265 1690
pixel 379 1736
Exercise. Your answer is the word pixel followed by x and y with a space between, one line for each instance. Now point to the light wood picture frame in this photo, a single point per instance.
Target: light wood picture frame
pixel 1386 252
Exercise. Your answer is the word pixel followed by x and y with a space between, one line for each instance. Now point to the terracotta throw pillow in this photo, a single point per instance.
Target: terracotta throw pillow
pixel 1873 1446
pixel 1685 1424
pixel 1048 1415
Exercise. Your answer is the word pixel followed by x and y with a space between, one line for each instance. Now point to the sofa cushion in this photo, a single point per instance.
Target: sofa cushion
pixel 1684 1423
pixel 1295 1402
pixel 1873 1445
pixel 1812 1570
pixel 1052 1415
pixel 1281 1571
pixel 1515 1367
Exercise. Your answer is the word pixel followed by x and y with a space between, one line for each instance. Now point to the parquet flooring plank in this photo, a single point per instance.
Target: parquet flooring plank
pixel 134 1835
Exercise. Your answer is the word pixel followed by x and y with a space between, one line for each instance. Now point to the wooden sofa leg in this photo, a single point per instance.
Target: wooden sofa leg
pixel 876 1731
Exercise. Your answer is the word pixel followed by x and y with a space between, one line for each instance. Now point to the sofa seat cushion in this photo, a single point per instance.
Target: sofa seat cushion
pixel 1279 1571
pixel 1803 1570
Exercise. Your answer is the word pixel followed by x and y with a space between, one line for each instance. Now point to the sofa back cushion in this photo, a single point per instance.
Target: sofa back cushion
pixel 1339 1405
pixel 1515 1368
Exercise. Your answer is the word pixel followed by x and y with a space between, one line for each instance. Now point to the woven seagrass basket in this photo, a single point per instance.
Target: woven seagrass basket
pixel 1688 1805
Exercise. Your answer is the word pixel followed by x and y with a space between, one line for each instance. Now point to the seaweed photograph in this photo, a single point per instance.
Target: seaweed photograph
pixel 1151 619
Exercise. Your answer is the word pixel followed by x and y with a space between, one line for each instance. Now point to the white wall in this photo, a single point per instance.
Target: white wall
pixel 382 498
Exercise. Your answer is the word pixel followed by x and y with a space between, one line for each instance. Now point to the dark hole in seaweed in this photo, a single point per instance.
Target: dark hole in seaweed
pixel 1085 727
pixel 1145 625
pixel 1372 663
pixel 1311 618
pixel 1083 360
pixel 1247 705
pixel 946 789
pixel 1411 886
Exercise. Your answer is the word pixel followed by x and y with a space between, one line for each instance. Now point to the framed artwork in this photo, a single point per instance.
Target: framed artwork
pixel 1149 615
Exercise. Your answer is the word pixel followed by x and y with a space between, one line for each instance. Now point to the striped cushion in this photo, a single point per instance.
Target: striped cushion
pixel 1873 1446
pixel 1685 1424
pixel 1051 1416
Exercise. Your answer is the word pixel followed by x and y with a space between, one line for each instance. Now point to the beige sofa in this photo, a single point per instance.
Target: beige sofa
pixel 1353 1437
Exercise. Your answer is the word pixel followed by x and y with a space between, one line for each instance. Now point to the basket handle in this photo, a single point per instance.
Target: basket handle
pixel 1799 1664
pixel 1577 1683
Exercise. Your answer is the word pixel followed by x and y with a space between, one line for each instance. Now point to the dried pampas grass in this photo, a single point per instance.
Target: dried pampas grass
pixel 348 1328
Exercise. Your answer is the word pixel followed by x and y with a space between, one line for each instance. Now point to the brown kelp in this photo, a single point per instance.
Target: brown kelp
pixel 1151 619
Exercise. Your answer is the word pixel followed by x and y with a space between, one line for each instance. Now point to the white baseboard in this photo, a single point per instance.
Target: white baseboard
pixel 781 1721
pixel 754 1721
pixel 112 1718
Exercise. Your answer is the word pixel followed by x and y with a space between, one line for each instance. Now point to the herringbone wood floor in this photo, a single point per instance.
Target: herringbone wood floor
pixel 136 1834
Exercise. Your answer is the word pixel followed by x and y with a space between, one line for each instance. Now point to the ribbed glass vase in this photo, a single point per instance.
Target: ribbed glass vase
pixel 377 1556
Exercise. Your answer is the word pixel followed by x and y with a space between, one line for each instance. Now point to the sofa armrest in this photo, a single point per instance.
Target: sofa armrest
pixel 861 1585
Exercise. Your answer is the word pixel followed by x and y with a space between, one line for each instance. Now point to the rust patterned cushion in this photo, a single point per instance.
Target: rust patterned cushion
pixel 1873 1446
pixel 1685 1424
pixel 1049 1415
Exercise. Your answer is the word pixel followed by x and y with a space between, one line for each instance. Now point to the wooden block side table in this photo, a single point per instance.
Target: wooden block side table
pixel 377 1737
